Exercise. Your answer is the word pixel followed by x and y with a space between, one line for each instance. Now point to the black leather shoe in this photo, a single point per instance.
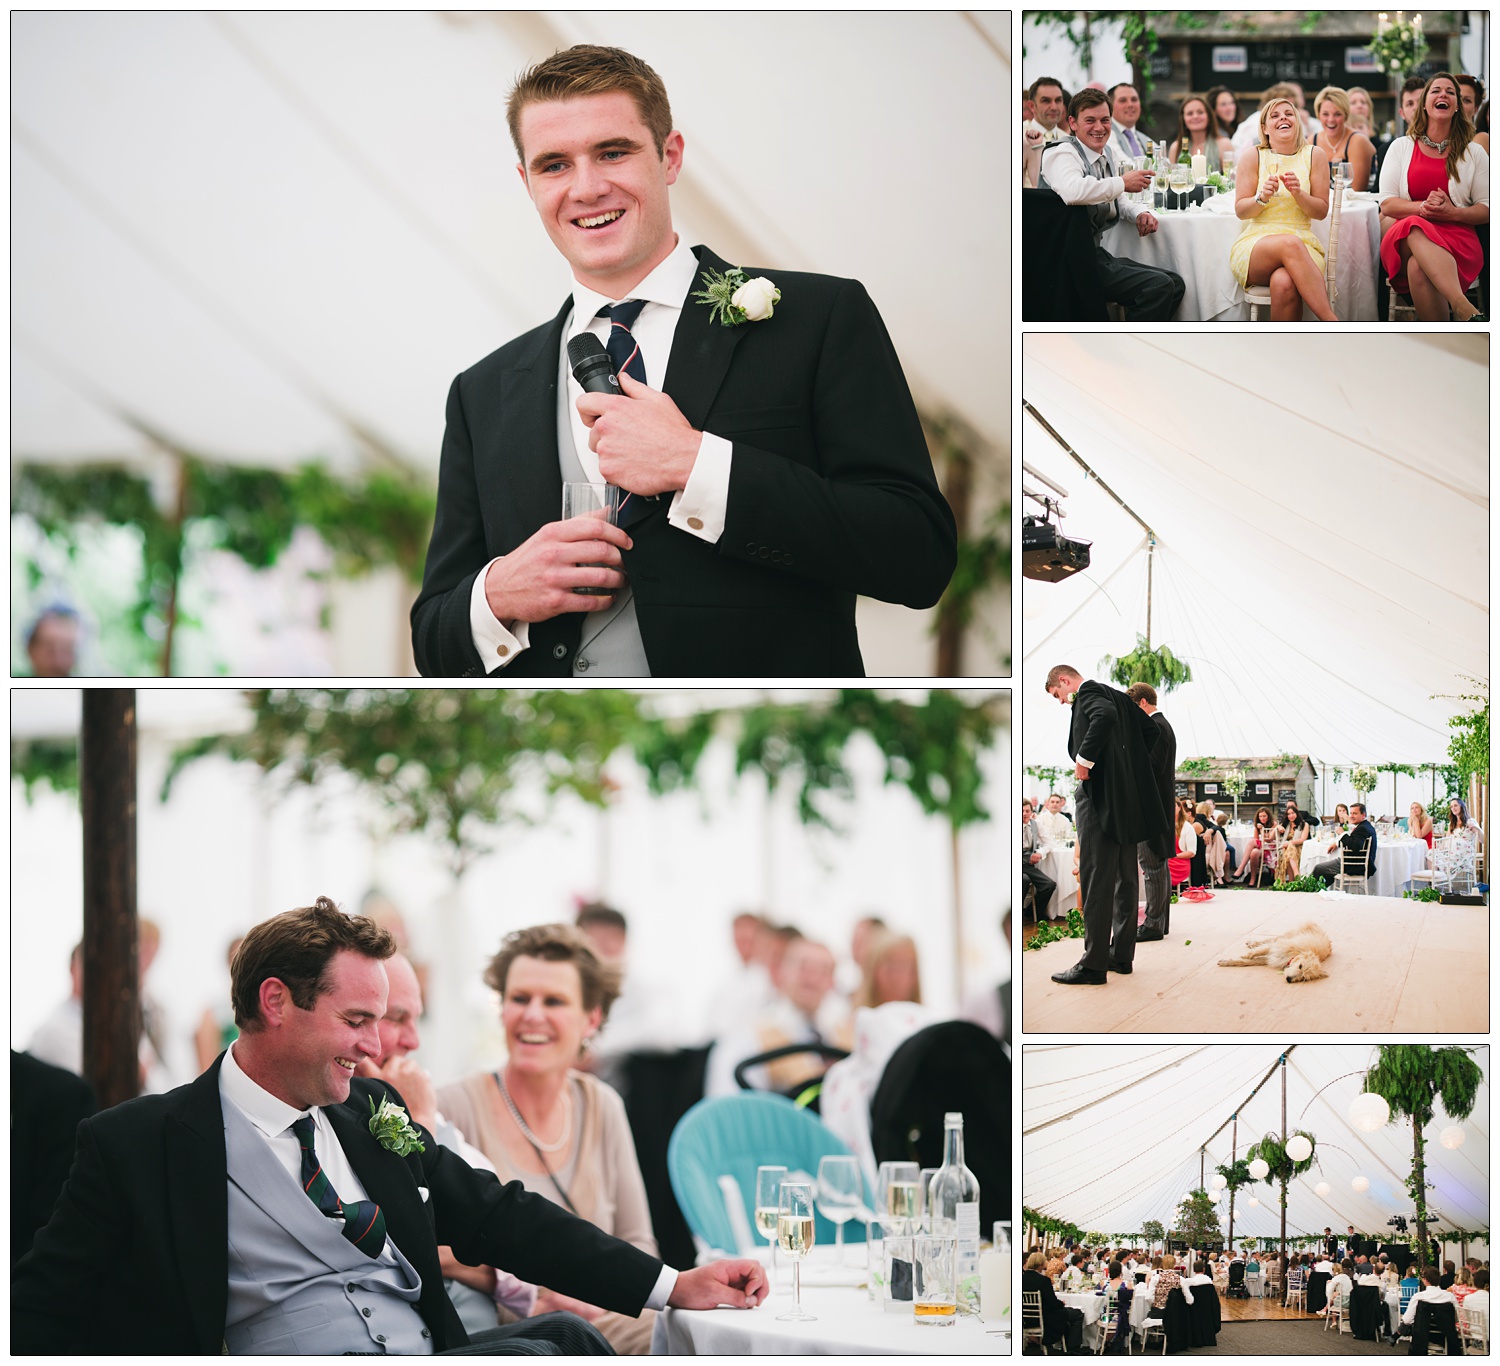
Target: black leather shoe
pixel 1146 935
pixel 1124 969
pixel 1080 976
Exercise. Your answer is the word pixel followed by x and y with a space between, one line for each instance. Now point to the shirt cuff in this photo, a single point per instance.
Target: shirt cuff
pixel 496 644
pixel 702 506
pixel 1087 763
pixel 665 1284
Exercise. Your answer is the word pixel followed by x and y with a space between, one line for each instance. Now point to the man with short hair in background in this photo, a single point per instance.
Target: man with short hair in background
pixel 1125 114
pixel 1164 769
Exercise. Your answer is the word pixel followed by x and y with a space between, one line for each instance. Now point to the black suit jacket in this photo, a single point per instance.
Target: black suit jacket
pixel 1361 835
pixel 135 1259
pixel 46 1105
pixel 1164 762
pixel 831 494
pixel 1054 1317
pixel 1118 738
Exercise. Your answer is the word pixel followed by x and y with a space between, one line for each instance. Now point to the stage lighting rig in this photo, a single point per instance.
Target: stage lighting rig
pixel 1046 553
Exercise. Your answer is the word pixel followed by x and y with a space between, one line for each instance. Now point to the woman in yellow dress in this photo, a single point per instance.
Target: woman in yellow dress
pixel 1280 187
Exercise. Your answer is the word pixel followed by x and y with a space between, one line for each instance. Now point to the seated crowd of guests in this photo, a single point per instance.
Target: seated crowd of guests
pixel 1090 149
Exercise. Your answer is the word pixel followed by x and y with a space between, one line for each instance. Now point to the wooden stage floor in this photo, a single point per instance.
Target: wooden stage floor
pixel 1396 966
pixel 1244 1311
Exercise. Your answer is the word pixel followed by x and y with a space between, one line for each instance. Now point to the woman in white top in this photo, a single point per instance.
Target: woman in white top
pixel 1459 820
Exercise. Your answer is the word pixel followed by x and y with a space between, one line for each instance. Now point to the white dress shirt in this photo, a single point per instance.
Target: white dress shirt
pixel 1062 171
pixel 273 1117
pixel 1430 1294
pixel 1054 828
pixel 700 508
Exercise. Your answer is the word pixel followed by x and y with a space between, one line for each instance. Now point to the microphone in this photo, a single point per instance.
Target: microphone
pixel 591 365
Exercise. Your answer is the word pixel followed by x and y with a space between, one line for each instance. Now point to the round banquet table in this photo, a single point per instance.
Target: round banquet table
pixel 1057 863
pixel 848 1323
pixel 1196 244
pixel 1393 1310
pixel 1255 1283
pixel 1395 862
pixel 1091 1306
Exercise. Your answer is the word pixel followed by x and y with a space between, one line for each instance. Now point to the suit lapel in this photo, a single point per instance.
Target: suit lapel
pixel 534 494
pixel 701 349
pixel 386 1180
pixel 193 1140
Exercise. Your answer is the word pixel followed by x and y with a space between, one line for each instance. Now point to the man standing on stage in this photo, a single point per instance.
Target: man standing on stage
pixel 1154 864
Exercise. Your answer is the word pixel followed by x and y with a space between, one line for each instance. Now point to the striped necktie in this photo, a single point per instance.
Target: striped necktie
pixel 363 1223
pixel 625 355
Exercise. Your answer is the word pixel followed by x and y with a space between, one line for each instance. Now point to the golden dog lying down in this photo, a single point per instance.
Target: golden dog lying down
pixel 1299 954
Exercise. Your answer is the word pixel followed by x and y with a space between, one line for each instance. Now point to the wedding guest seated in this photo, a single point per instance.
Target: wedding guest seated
pixel 1200 1276
pixel 1076 1276
pixel 1031 855
pixel 1053 825
pixel 1461 823
pixel 1419 824
pixel 1463 1284
pixel 1125 138
pixel 1213 840
pixel 1122 1289
pixel 1434 192
pixel 539 1120
pixel 1180 867
pixel 1060 1322
pixel 890 970
pixel 1430 1293
pixel 1450 1274
pixel 1338 139
pixel 1247 134
pixel 1294 832
pixel 1198 132
pixel 1044 122
pixel 1221 819
pixel 1341 1283
pixel 1167 1280
pixel 1083 171
pixel 1478 1300
pixel 1281 186
pixel 1226 106
pixel 1409 99
pixel 1471 93
pixel 1263 832
pixel 1362 834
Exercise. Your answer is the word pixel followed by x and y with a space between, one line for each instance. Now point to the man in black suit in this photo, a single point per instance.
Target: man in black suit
pixel 327 1242
pixel 775 464
pixel 1060 1322
pixel 1031 857
pixel 1361 833
pixel 47 1104
pixel 1118 805
pixel 1330 1242
pixel 1154 864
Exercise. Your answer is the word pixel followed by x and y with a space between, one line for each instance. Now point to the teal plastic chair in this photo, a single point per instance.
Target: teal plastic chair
pixel 733 1135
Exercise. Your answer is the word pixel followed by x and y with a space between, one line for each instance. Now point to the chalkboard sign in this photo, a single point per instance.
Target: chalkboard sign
pixel 1311 62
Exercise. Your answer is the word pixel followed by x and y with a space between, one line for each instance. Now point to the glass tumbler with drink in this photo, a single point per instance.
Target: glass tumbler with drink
pixel 592 500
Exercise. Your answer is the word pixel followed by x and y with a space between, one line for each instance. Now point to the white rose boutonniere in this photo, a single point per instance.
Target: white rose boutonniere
pixel 1072 697
pixel 735 299
pixel 393 1130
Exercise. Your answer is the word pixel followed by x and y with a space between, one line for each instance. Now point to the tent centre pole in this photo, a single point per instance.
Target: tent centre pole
pixel 1283 1183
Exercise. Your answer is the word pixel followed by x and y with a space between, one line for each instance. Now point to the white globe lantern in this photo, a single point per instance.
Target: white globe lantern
pixel 1254 1201
pixel 1452 1137
pixel 1260 1169
pixel 1361 1184
pixel 1298 1148
pixel 1218 1182
pixel 1369 1112
pixel 1322 1188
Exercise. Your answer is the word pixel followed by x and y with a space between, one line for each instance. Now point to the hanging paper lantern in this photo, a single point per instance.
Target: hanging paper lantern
pixel 1322 1188
pixel 1254 1201
pixel 1260 1169
pixel 1218 1182
pixel 1214 1197
pixel 1298 1148
pixel 1361 1184
pixel 1452 1137
pixel 1369 1112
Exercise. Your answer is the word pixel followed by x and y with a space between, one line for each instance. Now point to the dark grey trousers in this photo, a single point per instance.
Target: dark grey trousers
pixel 1107 880
pixel 1158 887
pixel 547 1335
pixel 1148 294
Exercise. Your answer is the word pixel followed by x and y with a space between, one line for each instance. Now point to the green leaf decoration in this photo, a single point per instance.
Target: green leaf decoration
pixel 719 295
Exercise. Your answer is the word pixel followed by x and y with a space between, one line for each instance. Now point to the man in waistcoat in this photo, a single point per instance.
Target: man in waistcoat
pixel 281 1205
pixel 1081 170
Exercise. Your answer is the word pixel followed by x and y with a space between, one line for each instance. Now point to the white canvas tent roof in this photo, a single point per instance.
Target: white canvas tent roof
pixel 1112 1134
pixel 1321 505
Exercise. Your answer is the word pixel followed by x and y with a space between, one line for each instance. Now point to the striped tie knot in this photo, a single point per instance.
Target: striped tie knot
pixel 363 1223
pixel 623 350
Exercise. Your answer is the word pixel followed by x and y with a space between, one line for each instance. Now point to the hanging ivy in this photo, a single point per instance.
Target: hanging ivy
pixel 1159 667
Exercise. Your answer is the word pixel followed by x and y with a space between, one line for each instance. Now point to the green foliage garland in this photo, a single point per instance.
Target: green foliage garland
pixel 1197 765
pixel 1469 748
pixel 1159 667
pixel 1053 930
pixel 1308 882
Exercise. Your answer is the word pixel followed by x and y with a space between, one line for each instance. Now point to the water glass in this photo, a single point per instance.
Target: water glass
pixel 935 1273
pixel 899 1289
pixel 592 500
pixel 875 1262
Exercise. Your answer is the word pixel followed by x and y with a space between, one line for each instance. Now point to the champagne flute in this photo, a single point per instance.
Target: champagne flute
pixel 898 1194
pixel 840 1191
pixel 795 1233
pixel 768 1206
pixel 1180 179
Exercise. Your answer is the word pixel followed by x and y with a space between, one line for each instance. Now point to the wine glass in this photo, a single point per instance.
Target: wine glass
pixel 840 1191
pixel 794 1231
pixel 768 1206
pixel 1180 180
pixel 899 1194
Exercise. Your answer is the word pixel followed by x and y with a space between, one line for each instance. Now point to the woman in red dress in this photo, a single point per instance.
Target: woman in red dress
pixel 1435 187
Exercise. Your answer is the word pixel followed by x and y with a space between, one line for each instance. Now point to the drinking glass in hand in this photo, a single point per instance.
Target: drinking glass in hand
pixel 840 1192
pixel 592 500
pixel 794 1233
pixel 768 1206
pixel 900 1195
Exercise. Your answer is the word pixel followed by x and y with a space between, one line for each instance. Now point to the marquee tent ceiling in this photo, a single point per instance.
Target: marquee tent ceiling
pixel 1112 1134
pixel 272 236
pixel 1321 507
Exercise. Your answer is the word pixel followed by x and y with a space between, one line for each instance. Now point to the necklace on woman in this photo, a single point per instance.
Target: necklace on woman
pixel 1438 147
pixel 525 1128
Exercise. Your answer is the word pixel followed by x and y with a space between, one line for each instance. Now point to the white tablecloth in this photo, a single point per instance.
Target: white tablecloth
pixel 1394 862
pixel 1057 863
pixel 1196 245
pixel 1091 1306
pixel 1256 1283
pixel 848 1323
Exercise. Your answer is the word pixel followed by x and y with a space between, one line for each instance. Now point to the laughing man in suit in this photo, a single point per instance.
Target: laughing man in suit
pixel 775 462
pixel 1118 805
pixel 258 1210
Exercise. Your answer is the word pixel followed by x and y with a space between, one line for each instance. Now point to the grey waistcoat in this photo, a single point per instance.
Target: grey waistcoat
pixel 1100 215
pixel 296 1284
pixel 611 644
